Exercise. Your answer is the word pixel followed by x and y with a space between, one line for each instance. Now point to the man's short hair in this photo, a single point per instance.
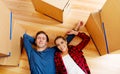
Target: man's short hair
pixel 41 32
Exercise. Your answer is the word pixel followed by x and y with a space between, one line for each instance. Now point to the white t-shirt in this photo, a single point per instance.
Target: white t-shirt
pixel 71 66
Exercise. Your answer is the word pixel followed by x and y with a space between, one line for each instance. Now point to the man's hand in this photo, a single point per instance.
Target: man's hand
pixel 78 26
pixel 75 30
pixel 72 32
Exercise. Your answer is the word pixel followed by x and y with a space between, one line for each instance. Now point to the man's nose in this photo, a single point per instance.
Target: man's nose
pixel 41 40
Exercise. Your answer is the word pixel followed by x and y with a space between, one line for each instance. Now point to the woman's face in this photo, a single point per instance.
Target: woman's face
pixel 61 44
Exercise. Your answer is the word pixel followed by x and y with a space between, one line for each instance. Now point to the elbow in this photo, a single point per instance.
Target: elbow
pixel 24 35
pixel 87 39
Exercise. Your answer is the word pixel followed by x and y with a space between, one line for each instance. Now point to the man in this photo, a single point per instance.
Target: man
pixel 41 59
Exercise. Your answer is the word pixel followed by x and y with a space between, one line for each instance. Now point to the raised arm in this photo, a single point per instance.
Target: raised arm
pixel 69 38
pixel 71 34
pixel 85 39
pixel 28 41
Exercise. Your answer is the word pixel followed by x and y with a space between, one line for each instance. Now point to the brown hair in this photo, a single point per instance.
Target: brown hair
pixel 41 32
pixel 58 37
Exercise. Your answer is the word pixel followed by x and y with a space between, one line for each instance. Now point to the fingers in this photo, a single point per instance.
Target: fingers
pixel 81 23
pixel 72 32
pixel 78 26
pixel 69 32
pixel 76 29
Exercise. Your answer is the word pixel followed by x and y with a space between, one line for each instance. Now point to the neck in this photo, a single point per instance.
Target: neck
pixel 64 53
pixel 41 49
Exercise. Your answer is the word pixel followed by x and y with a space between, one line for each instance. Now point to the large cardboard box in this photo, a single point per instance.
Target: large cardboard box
pixel 10 37
pixel 15 47
pixel 5 22
pixel 94 27
pixel 110 16
pixel 57 9
pixel 104 27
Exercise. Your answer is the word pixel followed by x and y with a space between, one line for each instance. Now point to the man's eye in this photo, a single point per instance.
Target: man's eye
pixel 38 38
pixel 62 42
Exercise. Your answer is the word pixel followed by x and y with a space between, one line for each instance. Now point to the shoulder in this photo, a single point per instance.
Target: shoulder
pixel 57 58
pixel 57 53
pixel 53 49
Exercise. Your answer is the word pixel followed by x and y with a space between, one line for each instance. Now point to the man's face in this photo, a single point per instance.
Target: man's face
pixel 41 41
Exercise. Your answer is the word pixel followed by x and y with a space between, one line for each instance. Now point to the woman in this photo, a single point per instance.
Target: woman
pixel 70 59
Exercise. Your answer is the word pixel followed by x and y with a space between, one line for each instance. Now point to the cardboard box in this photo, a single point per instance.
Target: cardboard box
pixel 57 9
pixel 110 16
pixel 104 27
pixel 15 47
pixel 5 22
pixel 94 28
pixel 10 37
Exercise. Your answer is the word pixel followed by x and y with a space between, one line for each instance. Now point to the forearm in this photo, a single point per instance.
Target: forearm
pixel 28 40
pixel 83 36
pixel 71 35
pixel 69 38
pixel 85 39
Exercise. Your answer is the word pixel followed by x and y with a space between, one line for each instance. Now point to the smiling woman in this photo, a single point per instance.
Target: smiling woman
pixel 71 57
